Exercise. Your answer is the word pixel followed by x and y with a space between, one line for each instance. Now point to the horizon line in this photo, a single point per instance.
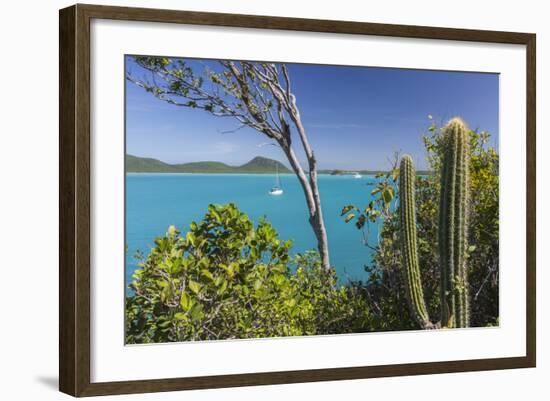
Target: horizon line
pixel 355 169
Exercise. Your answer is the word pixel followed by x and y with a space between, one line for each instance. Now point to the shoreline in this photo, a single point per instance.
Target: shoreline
pixel 364 174
pixel 225 173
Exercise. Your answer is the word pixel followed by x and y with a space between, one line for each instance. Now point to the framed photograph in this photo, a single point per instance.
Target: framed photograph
pixel 250 200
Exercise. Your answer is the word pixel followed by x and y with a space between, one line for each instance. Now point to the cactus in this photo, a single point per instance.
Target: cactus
pixel 453 225
pixel 415 293
pixel 452 231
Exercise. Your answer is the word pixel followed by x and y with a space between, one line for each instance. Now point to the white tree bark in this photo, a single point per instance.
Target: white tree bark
pixel 313 201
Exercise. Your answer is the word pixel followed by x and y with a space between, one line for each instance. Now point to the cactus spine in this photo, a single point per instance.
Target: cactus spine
pixel 453 225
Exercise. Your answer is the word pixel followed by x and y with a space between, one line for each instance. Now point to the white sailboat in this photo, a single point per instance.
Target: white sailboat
pixel 357 175
pixel 276 190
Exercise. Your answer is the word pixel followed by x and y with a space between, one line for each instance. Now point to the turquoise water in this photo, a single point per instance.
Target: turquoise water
pixel 155 201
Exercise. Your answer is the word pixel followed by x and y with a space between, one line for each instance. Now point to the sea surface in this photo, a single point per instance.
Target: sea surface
pixel 156 201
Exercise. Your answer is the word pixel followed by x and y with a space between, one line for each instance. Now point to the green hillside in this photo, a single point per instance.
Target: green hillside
pixel 147 165
pixel 262 165
pixel 203 167
pixel 258 165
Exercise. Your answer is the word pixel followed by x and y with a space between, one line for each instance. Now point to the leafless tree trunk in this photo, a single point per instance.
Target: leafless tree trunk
pixel 257 95
pixel 310 187
pixel 313 201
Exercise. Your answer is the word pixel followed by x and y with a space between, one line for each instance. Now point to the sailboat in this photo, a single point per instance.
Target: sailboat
pixel 276 190
pixel 357 175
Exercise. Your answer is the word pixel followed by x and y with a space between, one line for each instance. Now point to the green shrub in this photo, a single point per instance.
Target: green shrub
pixel 227 278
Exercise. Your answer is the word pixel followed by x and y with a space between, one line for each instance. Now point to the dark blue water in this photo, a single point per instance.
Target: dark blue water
pixel 156 201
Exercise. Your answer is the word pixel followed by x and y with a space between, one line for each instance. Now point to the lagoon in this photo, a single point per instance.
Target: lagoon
pixel 154 201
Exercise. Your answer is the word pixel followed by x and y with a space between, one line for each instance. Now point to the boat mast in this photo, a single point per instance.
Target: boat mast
pixel 277 180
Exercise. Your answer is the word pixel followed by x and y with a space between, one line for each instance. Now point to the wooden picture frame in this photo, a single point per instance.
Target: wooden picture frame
pixel 74 200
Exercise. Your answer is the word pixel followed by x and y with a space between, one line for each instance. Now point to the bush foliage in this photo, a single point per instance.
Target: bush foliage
pixel 227 278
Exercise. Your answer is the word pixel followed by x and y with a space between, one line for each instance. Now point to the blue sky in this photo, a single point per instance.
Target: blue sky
pixel 355 117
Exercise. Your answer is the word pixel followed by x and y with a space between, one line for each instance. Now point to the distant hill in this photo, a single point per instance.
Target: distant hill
pixel 145 164
pixel 258 165
pixel 264 165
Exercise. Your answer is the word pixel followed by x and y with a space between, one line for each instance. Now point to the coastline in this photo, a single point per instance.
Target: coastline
pixel 364 174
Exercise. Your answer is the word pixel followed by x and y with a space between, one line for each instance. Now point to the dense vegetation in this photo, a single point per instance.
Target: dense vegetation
pixel 258 165
pixel 228 278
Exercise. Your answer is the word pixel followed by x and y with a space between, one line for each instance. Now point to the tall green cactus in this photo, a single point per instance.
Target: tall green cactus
pixel 415 294
pixel 453 227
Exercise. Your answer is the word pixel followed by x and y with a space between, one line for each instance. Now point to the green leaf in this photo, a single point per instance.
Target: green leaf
pixel 222 288
pixel 219 279
pixel 231 269
pixel 349 217
pixel 254 253
pixel 207 275
pixel 194 286
pixel 164 324
pixel 190 238
pixel 258 284
pixel 278 279
pixel 185 301
pixel 180 316
pixel 196 312
pixel 346 209
pixel 216 215
pixel 387 194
